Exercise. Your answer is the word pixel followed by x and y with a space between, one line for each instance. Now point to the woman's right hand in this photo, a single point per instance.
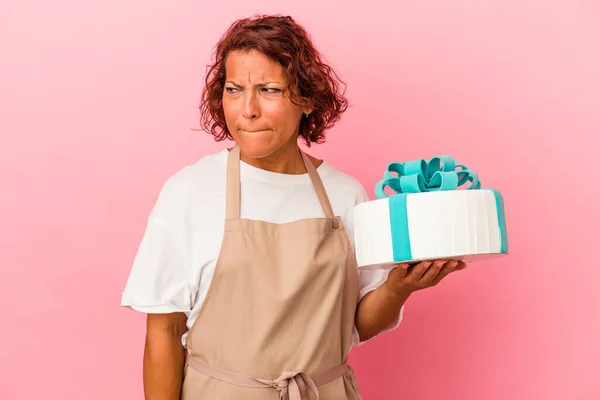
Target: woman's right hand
pixel 406 279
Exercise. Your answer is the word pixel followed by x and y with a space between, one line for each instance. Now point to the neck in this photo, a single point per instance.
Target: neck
pixel 285 160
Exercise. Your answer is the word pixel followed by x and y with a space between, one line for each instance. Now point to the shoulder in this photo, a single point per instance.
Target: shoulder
pixel 340 184
pixel 189 185
pixel 206 168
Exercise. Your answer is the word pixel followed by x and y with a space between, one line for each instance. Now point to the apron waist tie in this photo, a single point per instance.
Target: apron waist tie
pixel 291 385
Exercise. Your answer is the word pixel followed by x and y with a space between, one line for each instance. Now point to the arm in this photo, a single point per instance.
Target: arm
pixel 379 308
pixel 164 356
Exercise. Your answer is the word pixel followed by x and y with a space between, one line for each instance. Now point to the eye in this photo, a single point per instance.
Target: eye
pixel 271 90
pixel 231 89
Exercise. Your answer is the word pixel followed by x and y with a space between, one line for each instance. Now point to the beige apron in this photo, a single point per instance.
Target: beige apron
pixel 278 317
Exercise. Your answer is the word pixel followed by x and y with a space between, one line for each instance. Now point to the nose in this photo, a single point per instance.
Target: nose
pixel 251 106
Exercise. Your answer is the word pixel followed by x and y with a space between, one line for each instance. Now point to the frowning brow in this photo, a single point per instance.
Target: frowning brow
pixel 261 84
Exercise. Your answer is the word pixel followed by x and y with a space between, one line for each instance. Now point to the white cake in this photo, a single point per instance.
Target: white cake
pixel 466 225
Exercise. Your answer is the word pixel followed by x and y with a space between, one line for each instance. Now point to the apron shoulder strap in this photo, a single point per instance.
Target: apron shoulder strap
pixel 318 185
pixel 232 197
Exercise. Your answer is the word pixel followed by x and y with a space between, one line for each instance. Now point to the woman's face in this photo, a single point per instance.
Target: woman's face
pixel 258 111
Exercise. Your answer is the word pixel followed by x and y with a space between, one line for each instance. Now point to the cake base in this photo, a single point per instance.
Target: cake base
pixel 469 258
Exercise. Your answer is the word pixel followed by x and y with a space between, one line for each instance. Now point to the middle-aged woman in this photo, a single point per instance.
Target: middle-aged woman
pixel 246 270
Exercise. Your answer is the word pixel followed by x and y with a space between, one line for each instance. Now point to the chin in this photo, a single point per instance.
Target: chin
pixel 257 144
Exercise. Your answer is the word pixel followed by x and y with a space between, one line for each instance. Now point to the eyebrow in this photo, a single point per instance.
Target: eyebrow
pixel 258 85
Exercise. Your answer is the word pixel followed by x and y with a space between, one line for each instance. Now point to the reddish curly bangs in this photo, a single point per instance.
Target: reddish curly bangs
pixel 310 80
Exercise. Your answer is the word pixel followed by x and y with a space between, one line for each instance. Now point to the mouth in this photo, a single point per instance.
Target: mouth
pixel 254 131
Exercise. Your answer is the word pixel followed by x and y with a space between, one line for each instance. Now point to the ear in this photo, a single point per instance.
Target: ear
pixel 308 108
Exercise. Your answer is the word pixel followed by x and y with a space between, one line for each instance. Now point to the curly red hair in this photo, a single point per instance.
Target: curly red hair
pixel 311 81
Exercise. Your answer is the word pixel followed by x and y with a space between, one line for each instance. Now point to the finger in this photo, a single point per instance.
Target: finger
pixel 432 272
pixel 461 265
pixel 400 271
pixel 418 271
pixel 448 268
pixel 411 266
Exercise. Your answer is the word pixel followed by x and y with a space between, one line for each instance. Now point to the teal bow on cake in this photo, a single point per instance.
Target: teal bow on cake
pixel 416 176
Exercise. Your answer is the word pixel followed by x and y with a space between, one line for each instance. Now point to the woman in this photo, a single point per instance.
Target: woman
pixel 247 259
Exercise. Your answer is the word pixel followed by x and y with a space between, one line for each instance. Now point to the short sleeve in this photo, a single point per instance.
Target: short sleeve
pixel 157 283
pixel 370 280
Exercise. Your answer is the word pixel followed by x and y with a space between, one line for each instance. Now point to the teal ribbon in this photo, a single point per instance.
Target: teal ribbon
pixel 439 173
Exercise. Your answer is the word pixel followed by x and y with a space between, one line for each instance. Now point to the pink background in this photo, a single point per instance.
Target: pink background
pixel 96 104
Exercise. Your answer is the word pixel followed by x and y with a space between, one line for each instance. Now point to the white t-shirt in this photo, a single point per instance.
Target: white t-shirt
pixel 176 258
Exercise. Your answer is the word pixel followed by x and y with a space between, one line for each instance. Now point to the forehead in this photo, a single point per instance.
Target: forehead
pixel 252 66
